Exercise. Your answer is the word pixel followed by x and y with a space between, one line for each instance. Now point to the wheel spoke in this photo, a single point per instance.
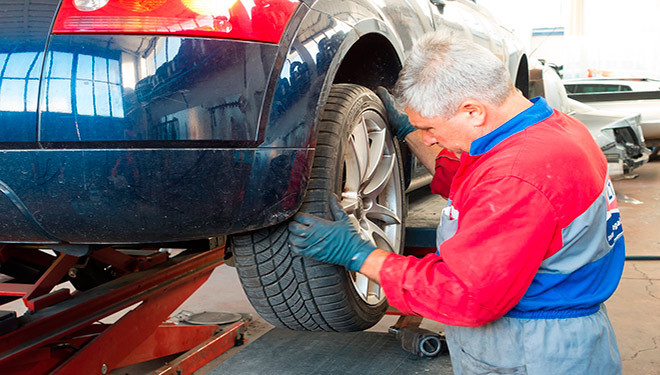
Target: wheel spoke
pixel 376 149
pixel 382 213
pixel 380 177
pixel 377 236
pixel 369 195
pixel 359 142
pixel 374 289
pixel 362 284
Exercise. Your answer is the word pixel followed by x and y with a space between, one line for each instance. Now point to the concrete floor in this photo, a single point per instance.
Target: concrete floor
pixel 634 308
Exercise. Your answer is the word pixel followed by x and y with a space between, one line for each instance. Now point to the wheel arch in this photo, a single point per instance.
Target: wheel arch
pixel 372 59
pixel 371 54
pixel 317 51
pixel 334 59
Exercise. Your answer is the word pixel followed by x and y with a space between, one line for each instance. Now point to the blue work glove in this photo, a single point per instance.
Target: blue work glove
pixel 398 120
pixel 331 241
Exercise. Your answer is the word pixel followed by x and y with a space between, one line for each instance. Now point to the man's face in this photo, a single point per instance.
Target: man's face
pixel 452 133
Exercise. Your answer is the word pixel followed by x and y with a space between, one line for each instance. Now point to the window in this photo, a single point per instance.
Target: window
pixel 58 82
pixel 164 50
pixel 97 89
pixel 592 88
pixel 19 81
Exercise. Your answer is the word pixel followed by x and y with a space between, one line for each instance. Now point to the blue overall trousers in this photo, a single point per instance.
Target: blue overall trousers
pixel 583 345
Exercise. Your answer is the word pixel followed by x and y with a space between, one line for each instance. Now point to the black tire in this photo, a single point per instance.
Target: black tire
pixel 299 293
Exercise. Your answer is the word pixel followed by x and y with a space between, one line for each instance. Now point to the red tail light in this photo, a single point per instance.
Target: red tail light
pixel 259 20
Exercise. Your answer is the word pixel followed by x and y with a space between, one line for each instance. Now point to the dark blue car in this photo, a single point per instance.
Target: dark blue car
pixel 161 122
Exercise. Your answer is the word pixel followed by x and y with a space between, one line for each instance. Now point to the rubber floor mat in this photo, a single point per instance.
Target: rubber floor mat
pixel 286 352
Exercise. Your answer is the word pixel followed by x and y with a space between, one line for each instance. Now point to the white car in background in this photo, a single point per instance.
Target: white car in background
pixel 618 134
pixel 623 94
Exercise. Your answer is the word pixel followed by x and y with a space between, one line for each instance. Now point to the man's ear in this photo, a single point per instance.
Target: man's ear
pixel 473 111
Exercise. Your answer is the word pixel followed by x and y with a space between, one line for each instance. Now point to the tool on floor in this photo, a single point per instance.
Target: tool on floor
pixel 415 340
pixel 418 341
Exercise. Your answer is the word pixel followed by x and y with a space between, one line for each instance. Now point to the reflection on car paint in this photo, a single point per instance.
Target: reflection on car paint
pixel 19 88
pixel 152 89
pixel 300 81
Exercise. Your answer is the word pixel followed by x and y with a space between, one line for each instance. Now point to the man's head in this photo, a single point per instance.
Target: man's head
pixel 451 89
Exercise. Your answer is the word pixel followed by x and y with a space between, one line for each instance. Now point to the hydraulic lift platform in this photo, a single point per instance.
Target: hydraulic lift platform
pixel 62 334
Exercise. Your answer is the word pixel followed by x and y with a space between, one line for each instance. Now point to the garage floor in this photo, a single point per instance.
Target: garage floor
pixel 634 308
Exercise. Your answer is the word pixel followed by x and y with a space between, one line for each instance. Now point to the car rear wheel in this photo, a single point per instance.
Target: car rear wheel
pixel 357 159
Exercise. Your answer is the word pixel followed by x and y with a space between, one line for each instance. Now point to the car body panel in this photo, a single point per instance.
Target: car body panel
pixel 150 195
pixel 301 80
pixel 649 109
pixel 153 138
pixel 171 152
pixel 405 21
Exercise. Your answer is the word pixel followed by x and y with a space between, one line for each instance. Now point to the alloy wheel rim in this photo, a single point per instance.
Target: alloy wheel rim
pixel 372 194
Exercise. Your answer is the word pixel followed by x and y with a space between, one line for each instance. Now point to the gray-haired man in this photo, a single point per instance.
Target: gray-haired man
pixel 530 244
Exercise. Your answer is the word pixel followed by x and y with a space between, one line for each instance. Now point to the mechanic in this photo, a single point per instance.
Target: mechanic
pixel 530 244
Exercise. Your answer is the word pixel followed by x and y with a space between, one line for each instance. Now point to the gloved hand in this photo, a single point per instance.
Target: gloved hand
pixel 398 120
pixel 331 241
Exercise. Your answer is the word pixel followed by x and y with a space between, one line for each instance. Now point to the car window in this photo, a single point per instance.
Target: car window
pixel 625 88
pixel 590 88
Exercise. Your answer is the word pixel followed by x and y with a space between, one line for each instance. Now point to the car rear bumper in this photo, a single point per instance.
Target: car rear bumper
pixel 146 195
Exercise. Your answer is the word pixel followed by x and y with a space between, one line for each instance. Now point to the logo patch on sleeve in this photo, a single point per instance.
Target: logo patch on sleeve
pixel 614 228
